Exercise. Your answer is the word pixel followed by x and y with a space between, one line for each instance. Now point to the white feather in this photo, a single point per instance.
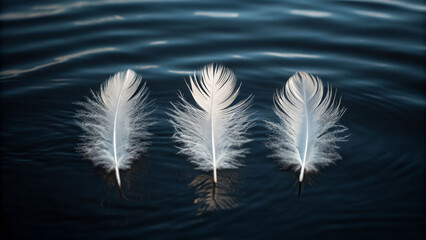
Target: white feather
pixel 115 122
pixel 213 133
pixel 305 138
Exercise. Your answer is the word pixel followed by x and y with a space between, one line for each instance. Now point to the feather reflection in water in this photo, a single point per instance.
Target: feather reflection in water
pixel 211 197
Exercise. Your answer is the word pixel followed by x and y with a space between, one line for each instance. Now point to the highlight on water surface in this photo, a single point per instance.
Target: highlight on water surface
pixel 212 133
pixel 305 137
pixel 115 123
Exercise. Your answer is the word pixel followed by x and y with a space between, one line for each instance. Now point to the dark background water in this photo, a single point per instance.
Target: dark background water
pixel 54 52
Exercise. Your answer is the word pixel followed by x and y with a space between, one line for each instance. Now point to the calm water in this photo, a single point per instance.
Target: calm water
pixel 54 53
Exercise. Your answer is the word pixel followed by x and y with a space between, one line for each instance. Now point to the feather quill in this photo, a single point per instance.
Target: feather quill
pixel 115 123
pixel 213 133
pixel 306 136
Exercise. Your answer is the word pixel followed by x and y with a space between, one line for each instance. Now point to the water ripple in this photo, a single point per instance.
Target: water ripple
pixel 373 14
pixel 181 72
pixel 55 9
pixel 144 67
pixel 29 15
pixel 158 42
pixel 310 13
pixel 217 14
pixel 100 20
pixel 58 60
pixel 290 55
pixel 402 4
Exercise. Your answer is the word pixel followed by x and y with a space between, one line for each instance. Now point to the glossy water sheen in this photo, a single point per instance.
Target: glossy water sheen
pixel 54 52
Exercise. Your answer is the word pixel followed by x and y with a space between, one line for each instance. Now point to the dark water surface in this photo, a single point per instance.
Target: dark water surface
pixel 54 52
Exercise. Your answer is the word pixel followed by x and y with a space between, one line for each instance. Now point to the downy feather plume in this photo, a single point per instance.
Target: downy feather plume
pixel 115 123
pixel 305 138
pixel 213 133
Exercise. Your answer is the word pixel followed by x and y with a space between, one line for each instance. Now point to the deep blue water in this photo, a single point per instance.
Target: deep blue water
pixel 54 52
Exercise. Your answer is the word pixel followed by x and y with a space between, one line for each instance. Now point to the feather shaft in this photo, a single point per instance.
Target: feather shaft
pixel 305 150
pixel 117 172
pixel 213 148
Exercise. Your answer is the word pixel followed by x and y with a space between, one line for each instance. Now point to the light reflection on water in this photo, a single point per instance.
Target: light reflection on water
pixel 58 60
pixel 181 72
pixel 217 14
pixel 100 20
pixel 291 55
pixel 158 42
pixel 309 13
pixel 374 14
